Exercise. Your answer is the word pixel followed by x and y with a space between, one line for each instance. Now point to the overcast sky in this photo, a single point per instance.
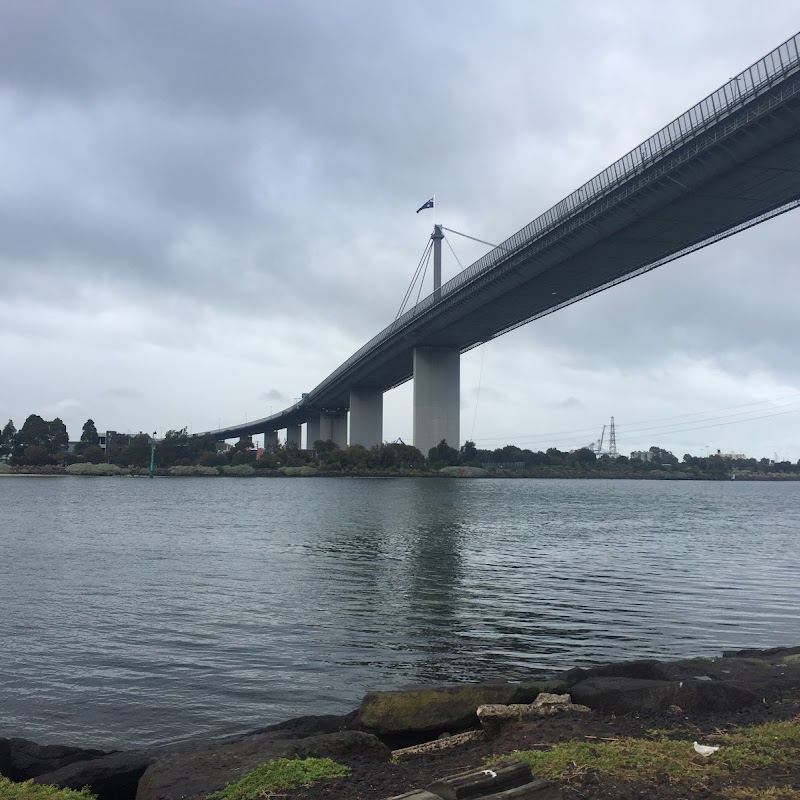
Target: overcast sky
pixel 205 207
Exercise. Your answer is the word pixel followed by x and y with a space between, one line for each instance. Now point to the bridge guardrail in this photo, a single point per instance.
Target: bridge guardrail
pixel 731 96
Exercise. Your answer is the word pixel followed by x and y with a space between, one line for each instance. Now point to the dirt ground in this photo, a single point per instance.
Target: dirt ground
pixel 375 781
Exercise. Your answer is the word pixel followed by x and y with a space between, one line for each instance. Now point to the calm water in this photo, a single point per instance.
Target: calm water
pixel 134 611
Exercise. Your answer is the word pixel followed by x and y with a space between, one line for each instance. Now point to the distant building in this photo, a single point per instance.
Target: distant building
pixel 106 440
pixel 641 455
pixel 730 456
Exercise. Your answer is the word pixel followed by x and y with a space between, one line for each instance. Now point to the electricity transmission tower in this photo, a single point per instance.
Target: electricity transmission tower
pixel 612 441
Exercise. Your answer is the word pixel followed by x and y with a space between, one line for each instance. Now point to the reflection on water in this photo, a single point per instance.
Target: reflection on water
pixel 137 611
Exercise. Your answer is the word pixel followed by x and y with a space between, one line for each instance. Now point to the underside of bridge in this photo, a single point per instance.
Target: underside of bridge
pixel 741 165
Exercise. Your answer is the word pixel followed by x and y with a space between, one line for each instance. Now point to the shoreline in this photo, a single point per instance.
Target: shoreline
pixel 402 740
pixel 659 476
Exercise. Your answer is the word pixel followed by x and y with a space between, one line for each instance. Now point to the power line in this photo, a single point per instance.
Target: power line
pixel 635 426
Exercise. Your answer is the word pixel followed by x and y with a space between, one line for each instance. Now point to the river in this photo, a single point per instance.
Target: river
pixel 136 611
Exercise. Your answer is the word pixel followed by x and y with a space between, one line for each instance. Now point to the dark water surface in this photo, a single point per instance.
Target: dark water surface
pixel 134 611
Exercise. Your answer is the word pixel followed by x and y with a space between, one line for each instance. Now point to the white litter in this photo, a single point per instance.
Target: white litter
pixel 490 773
pixel 704 750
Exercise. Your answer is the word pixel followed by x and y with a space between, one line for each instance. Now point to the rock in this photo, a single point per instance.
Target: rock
pixel 439 744
pixel 634 695
pixel 343 745
pixel 754 673
pixel 771 653
pixel 112 777
pixel 442 708
pixel 208 768
pixel 544 699
pixel 494 716
pixel 574 675
pixel 21 759
pixel 307 726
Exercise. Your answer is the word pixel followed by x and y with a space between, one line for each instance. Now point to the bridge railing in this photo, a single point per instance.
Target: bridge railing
pixel 742 88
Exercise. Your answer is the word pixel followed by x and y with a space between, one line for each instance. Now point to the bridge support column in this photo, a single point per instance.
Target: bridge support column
pixel 293 435
pixel 437 392
pixel 270 438
pixel 334 427
pixel 366 417
pixel 312 432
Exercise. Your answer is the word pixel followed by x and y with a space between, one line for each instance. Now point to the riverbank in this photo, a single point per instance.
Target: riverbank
pixel 474 473
pixel 617 731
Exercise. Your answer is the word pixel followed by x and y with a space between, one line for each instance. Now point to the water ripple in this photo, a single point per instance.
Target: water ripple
pixel 141 611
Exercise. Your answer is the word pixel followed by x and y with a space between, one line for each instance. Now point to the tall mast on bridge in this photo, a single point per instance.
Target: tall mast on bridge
pixel 437 237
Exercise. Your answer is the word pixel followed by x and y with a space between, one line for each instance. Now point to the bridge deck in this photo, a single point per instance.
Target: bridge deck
pixel 729 161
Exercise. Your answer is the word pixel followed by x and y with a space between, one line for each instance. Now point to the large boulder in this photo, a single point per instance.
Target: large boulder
pixel 634 695
pixel 755 673
pixel 755 669
pixel 112 777
pixel 208 768
pixel 443 708
pixel 21 759
pixel 307 726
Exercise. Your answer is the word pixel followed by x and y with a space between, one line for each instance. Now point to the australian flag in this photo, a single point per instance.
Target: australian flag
pixel 429 204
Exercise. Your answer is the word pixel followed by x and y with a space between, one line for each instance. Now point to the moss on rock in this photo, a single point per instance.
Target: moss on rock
pixel 442 708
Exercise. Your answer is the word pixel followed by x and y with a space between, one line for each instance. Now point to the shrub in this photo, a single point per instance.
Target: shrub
pixel 193 470
pixel 94 469
pixel 301 472
pixel 5 469
pixel 464 472
pixel 239 470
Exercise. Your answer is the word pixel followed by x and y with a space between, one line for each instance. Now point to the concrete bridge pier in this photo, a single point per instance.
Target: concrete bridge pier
pixel 293 435
pixel 366 417
pixel 312 432
pixel 437 393
pixel 334 426
pixel 270 438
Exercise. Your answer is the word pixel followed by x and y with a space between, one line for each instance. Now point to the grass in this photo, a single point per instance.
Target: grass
pixel 768 745
pixel 770 793
pixel 35 791
pixel 280 775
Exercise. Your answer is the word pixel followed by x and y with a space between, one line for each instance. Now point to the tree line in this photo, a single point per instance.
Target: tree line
pixel 41 443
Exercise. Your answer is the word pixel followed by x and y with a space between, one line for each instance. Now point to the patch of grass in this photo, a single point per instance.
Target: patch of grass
pixel 35 791
pixel 770 793
pixel 771 744
pixel 280 775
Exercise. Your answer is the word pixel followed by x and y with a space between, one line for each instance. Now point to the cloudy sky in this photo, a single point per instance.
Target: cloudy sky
pixel 206 206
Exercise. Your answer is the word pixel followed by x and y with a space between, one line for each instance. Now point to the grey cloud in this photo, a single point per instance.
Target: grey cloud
pixel 244 178
pixel 124 393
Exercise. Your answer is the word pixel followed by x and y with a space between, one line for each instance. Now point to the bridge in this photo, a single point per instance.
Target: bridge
pixel 728 163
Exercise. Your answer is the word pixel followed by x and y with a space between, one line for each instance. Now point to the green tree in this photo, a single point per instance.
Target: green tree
pixel 36 455
pixel 89 437
pixel 396 455
pixel 35 432
pixel 173 449
pixel 442 455
pixel 7 438
pixel 660 457
pixel 58 436
pixel 469 454
pixel 138 451
pixel 93 454
pixel 584 456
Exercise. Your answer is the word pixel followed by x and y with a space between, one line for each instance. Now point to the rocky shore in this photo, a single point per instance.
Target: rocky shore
pixel 441 742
